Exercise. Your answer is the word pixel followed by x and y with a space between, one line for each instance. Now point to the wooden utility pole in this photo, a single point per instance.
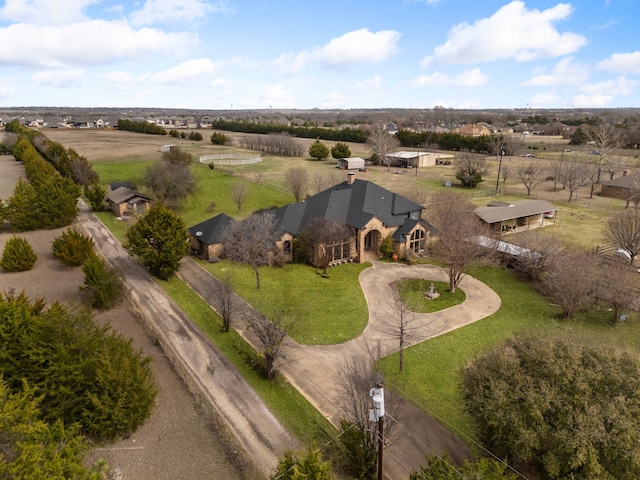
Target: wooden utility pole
pixel 377 394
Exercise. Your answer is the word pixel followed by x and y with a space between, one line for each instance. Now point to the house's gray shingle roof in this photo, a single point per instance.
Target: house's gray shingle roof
pixel 628 181
pixel 348 204
pixel 211 229
pixel 525 208
pixel 124 194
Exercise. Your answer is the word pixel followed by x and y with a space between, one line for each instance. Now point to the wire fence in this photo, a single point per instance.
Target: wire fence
pixel 230 159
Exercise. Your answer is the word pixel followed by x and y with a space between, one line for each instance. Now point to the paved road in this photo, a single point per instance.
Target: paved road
pixel 313 369
pixel 208 374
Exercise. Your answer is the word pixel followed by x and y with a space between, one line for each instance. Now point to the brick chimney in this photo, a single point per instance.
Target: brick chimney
pixel 351 177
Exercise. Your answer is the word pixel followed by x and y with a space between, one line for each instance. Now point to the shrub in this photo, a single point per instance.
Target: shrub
pixel 95 193
pixel 570 409
pixel 386 247
pixel 72 248
pixel 218 138
pixel 18 256
pixel 196 136
pixel 83 374
pixel 102 284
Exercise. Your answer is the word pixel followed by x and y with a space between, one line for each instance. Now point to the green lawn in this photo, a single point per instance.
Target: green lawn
pixel 325 310
pixel 412 293
pixel 293 410
pixel 432 375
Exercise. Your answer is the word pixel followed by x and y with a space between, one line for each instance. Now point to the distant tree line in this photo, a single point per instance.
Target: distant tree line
pixel 140 127
pixel 355 135
pixel 446 141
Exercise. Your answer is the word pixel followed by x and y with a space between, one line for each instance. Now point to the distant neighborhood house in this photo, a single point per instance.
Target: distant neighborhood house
pixel 514 217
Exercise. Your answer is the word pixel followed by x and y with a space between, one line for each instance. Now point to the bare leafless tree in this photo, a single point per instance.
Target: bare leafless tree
pixel 623 229
pixel 417 194
pixel 570 281
pixel 276 144
pixel 572 175
pixel 506 173
pixel 615 164
pixel 251 241
pixel 457 231
pixel 323 181
pixel 617 286
pixel 540 252
pixel 354 379
pixel 591 177
pixel 325 237
pixel 402 327
pixel 271 334
pixel 531 175
pixel 238 193
pixel 605 139
pixel 225 300
pixel 296 180
pixel 382 143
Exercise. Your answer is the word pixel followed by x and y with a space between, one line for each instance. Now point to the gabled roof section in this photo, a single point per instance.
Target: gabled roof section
pixel 210 231
pixel 525 208
pixel 124 194
pixel 627 181
pixel 354 204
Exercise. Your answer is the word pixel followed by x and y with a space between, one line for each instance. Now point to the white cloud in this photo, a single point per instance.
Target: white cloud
pixel 467 79
pixel 359 47
pixel 186 71
pixel 170 11
pixel 90 42
pixel 59 78
pixel 122 80
pixel 513 32
pixel 470 78
pixel 566 71
pixel 276 95
pixel 542 100
pixel 622 62
pixel 370 84
pixel 44 12
pixel 620 86
pixel 592 101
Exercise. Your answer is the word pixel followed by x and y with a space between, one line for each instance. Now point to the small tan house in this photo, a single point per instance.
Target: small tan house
pixel 124 201
pixel 473 130
pixel 514 217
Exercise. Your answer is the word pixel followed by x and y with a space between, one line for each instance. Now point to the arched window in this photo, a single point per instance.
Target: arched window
pixel 286 246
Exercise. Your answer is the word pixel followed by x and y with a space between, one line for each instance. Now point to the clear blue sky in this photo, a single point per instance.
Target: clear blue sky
pixel 241 54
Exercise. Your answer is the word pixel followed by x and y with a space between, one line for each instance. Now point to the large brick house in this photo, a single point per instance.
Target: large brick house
pixel 370 212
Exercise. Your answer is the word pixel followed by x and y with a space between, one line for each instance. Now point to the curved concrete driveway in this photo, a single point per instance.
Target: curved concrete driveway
pixel 313 369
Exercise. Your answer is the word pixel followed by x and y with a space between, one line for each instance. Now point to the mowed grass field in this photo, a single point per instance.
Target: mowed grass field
pixel 433 369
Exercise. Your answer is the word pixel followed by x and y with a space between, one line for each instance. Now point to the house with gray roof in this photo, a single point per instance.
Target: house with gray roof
pixel 124 201
pixel 515 217
pixel 625 187
pixel 371 212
